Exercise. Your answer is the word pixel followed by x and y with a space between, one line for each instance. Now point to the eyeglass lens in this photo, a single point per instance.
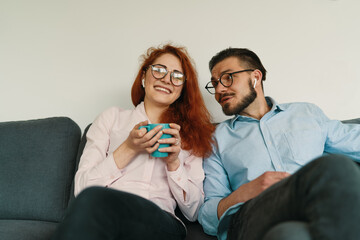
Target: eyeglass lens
pixel 225 80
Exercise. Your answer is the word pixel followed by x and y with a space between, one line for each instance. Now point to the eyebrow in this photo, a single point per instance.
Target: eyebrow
pixel 167 67
pixel 227 70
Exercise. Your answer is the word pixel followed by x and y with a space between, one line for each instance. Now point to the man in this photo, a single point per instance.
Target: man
pixel 262 181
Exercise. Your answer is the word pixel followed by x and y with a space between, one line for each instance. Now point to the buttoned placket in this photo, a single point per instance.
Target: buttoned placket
pixel 148 173
pixel 270 142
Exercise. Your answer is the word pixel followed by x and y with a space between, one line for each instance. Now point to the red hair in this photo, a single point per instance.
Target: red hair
pixel 188 110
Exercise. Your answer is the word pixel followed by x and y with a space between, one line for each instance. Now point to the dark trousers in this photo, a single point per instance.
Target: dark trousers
pixel 103 213
pixel 324 196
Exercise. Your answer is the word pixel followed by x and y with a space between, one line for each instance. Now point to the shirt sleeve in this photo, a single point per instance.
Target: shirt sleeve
pixel 97 167
pixel 341 138
pixel 188 179
pixel 216 187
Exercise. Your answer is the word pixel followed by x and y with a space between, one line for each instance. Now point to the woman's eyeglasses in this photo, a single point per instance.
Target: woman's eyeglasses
pixel 159 71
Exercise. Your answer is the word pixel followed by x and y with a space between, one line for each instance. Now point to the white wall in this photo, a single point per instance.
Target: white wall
pixel 76 58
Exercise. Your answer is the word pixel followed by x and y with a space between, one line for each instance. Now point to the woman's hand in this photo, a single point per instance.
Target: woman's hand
pixel 137 141
pixel 172 160
pixel 140 140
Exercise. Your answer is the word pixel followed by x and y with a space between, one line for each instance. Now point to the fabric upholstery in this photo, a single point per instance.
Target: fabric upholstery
pixel 26 230
pixel 37 159
pixel 355 120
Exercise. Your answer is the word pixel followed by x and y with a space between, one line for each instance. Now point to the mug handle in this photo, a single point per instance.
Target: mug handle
pixel 147 128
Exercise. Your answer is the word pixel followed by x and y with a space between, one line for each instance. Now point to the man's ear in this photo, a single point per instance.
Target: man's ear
pixel 257 74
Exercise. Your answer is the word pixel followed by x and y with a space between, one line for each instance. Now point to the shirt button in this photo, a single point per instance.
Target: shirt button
pixel 179 178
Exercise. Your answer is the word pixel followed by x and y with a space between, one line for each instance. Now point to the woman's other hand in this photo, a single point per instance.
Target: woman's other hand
pixel 172 161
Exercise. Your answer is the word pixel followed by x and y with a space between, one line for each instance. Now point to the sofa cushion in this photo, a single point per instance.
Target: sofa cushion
pixel 26 230
pixel 37 159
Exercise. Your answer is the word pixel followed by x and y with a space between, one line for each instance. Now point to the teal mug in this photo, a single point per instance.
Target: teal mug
pixel 149 127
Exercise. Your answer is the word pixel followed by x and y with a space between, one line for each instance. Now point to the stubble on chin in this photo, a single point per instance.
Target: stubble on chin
pixel 226 109
pixel 241 105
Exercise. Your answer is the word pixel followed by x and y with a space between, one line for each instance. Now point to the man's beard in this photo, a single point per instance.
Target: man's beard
pixel 240 106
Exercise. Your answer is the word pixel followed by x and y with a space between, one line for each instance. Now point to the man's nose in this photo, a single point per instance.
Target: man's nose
pixel 220 88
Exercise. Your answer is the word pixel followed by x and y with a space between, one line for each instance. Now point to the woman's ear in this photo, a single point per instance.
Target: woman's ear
pixel 143 79
pixel 143 82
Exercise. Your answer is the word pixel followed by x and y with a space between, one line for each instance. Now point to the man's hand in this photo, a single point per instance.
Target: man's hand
pixel 257 186
pixel 250 190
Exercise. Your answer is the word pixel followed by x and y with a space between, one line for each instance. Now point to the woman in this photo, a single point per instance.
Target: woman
pixel 139 193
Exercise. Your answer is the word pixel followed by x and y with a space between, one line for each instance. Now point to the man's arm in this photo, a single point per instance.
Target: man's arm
pixel 340 138
pixel 343 139
pixel 250 190
pixel 216 187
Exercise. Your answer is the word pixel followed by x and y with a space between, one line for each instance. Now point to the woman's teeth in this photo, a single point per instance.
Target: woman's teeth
pixel 162 89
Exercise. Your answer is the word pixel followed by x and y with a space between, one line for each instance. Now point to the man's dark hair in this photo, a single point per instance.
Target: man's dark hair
pixel 247 57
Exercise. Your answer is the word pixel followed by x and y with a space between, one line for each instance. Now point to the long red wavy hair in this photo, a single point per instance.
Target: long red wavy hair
pixel 189 109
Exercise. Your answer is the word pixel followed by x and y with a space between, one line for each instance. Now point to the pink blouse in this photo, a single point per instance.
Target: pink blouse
pixel 145 176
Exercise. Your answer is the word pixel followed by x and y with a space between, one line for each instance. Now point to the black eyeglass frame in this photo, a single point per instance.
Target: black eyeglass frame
pixel 209 85
pixel 167 71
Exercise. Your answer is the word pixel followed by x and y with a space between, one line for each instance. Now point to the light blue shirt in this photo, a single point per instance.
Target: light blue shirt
pixel 284 139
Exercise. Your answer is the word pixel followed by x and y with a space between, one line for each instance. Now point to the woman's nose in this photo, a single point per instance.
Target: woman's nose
pixel 167 79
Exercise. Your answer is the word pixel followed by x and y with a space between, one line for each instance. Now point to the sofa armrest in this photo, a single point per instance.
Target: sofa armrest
pixel 37 159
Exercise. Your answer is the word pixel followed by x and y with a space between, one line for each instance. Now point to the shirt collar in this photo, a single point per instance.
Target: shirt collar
pixel 274 105
pixel 275 108
pixel 140 108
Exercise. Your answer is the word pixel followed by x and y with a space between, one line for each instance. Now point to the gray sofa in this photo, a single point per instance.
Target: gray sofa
pixel 38 160
pixel 37 164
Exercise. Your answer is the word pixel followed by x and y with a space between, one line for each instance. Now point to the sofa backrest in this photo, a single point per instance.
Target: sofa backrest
pixel 37 165
pixel 352 121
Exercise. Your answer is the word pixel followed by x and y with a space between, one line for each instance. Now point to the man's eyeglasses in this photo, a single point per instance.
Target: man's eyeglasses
pixel 226 79
pixel 159 71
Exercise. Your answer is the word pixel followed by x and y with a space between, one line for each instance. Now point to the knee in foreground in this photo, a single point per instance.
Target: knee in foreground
pixel 338 166
pixel 90 197
pixel 291 230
